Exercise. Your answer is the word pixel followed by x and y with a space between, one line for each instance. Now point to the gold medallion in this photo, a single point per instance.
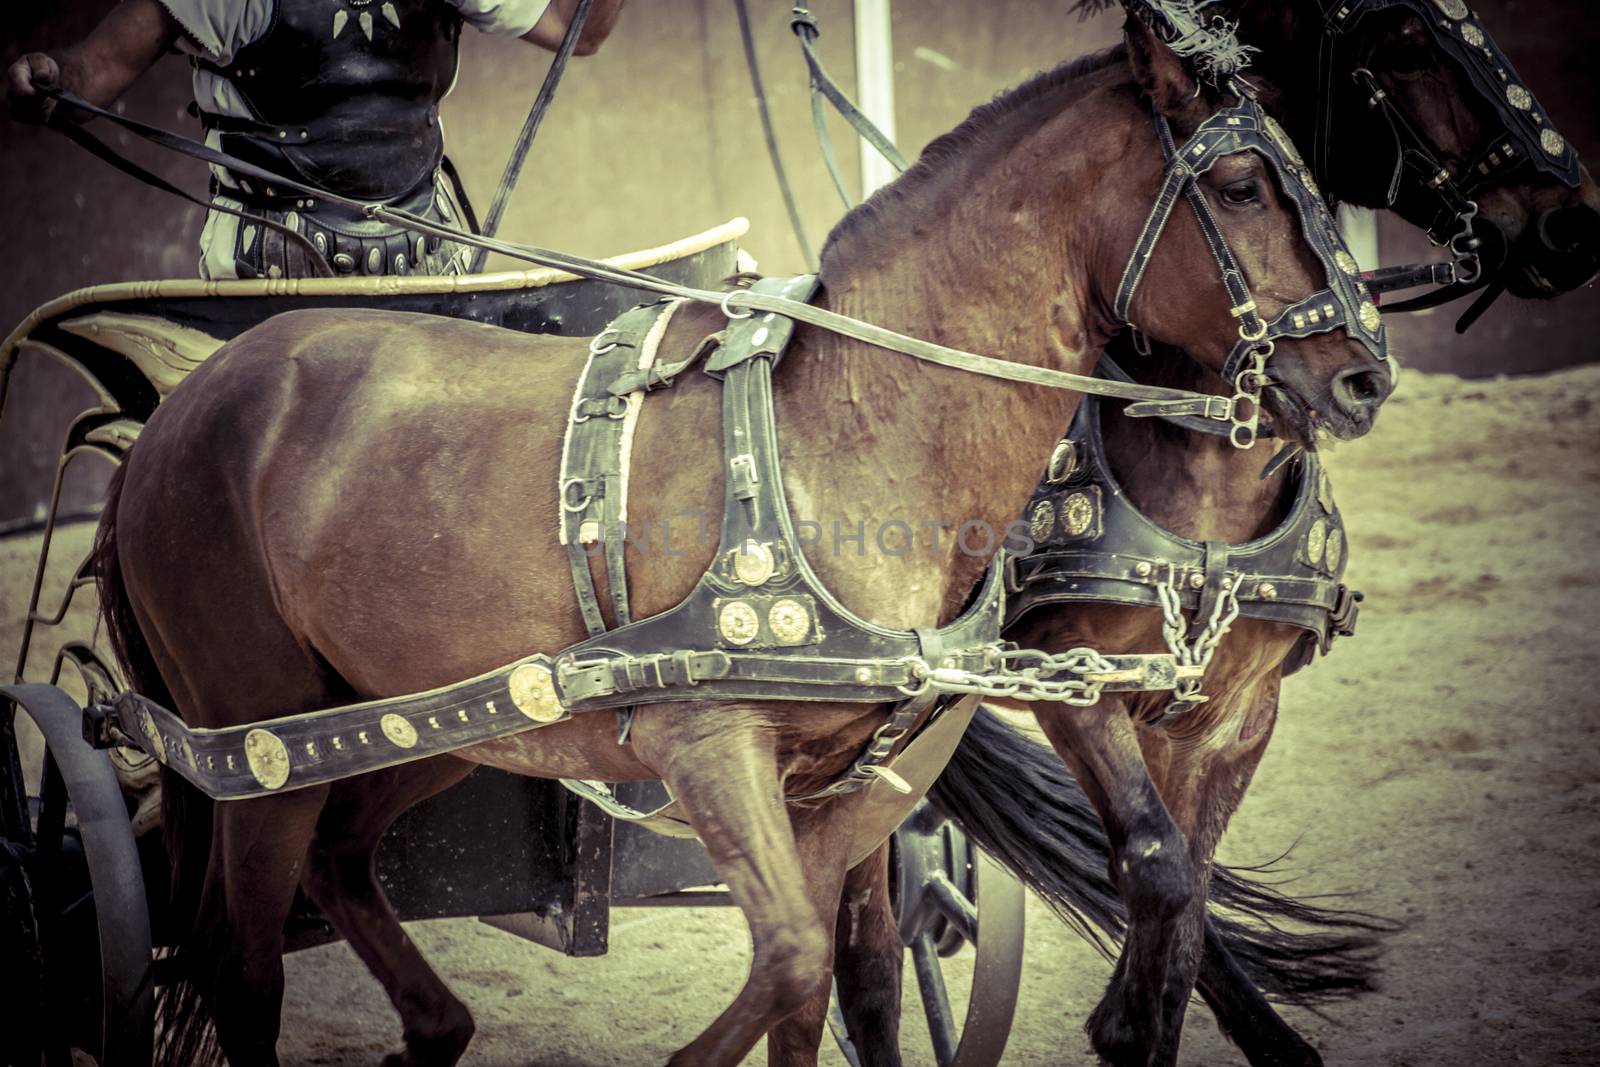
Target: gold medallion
pixel 1371 318
pixel 1552 142
pixel 737 622
pixel 1283 141
pixel 789 621
pixel 398 730
pixel 1316 537
pixel 1456 9
pixel 1346 262
pixel 267 757
pixel 1472 35
pixel 1333 555
pixel 1519 97
pixel 1077 513
pixel 1324 490
pixel 533 691
pixel 1041 521
pixel 1063 461
pixel 754 563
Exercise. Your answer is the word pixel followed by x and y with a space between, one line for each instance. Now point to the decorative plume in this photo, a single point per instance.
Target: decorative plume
pixel 1207 42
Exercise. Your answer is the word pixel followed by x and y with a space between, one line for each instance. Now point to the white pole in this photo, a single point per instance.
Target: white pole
pixel 1360 228
pixel 874 87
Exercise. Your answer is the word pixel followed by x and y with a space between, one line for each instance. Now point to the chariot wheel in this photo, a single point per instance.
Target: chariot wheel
pixel 948 895
pixel 76 932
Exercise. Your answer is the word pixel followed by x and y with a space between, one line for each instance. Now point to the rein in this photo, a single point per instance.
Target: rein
pixel 736 304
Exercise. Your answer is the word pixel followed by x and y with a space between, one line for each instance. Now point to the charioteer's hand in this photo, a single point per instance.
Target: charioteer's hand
pixel 23 81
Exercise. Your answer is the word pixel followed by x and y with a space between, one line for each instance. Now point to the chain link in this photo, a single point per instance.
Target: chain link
pixel 1023 674
pixel 1186 694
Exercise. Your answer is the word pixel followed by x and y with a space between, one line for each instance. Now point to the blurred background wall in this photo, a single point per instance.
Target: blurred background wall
pixel 655 138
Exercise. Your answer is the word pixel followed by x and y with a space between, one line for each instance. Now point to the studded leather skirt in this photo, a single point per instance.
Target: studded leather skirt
pixel 350 243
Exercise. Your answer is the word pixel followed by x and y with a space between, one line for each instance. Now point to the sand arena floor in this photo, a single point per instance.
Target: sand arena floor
pixel 1442 765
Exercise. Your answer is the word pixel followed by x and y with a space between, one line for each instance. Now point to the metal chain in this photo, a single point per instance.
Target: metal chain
pixel 1036 681
pixel 1175 631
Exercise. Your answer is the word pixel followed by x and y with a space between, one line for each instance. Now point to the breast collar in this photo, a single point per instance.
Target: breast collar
pixel 1343 304
pixel 1093 545
pixel 1525 139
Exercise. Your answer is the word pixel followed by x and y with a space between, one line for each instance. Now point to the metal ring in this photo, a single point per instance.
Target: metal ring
pixel 1246 335
pixel 1248 439
pixel 580 505
pixel 728 311
pixel 598 349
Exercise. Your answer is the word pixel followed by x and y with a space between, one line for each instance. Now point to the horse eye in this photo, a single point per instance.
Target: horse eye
pixel 1242 192
pixel 1408 58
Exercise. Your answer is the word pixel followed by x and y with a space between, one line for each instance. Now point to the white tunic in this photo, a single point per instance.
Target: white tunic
pixel 218 29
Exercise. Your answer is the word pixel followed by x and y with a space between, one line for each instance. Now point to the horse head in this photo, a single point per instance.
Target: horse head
pixel 1411 105
pixel 1259 252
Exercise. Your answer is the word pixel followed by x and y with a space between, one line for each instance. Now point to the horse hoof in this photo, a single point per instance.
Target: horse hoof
pixel 441 1051
pixel 1118 1042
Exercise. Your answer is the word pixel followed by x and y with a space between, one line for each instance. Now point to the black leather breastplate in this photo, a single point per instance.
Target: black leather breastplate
pixel 345 93
pixel 1093 545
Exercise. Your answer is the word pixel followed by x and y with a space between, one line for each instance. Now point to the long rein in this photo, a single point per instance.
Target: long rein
pixel 737 304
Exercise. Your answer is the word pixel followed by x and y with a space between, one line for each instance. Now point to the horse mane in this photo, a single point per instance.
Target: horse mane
pixel 977 130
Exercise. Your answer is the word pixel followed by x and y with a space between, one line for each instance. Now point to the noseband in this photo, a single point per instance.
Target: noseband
pixel 1343 304
pixel 1525 137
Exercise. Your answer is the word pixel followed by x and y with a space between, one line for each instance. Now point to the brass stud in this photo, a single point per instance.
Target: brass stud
pixel 1041 520
pixel 268 758
pixel 789 621
pixel 1269 591
pixel 738 623
pixel 1143 568
pixel 1197 580
pixel 397 729
pixel 754 562
pixel 1077 513
pixel 533 691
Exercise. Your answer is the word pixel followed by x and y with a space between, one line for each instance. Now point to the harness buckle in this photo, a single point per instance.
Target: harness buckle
pixel 1346 607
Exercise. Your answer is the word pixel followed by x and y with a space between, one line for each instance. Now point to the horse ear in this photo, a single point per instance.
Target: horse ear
pixel 1163 76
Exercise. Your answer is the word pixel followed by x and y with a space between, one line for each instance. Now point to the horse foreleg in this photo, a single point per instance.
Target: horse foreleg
pixel 1149 862
pixel 869 961
pixel 720 765
pixel 341 879
pixel 261 845
pixel 1204 778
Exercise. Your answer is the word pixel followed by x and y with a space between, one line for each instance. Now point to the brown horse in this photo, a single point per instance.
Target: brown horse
pixel 338 506
pixel 1165 795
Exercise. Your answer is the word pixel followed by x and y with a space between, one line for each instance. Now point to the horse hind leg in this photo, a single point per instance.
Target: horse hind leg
pixel 341 879
pixel 259 848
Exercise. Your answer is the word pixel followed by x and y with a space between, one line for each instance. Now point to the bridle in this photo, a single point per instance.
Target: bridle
pixel 1344 303
pixel 1524 137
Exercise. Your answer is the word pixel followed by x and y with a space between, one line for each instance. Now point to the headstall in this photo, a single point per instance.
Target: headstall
pixel 1344 303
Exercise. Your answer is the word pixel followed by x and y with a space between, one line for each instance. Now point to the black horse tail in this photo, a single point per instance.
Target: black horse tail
pixel 1016 800
pixel 186 1036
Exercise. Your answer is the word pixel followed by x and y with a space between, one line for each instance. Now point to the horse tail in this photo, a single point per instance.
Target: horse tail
pixel 1017 801
pixel 186 1036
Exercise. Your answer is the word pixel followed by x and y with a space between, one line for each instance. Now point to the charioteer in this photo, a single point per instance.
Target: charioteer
pixel 342 95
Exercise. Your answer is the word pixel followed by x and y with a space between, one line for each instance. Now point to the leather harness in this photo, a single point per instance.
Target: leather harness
pixel 1091 544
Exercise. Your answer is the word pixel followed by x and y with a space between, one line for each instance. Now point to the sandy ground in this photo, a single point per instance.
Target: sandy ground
pixel 1441 764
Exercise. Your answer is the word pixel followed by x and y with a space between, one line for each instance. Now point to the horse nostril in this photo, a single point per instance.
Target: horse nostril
pixel 1567 230
pixel 1361 389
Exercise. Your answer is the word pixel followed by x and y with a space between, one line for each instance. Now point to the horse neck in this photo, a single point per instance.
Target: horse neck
pixel 888 437
pixel 1193 484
